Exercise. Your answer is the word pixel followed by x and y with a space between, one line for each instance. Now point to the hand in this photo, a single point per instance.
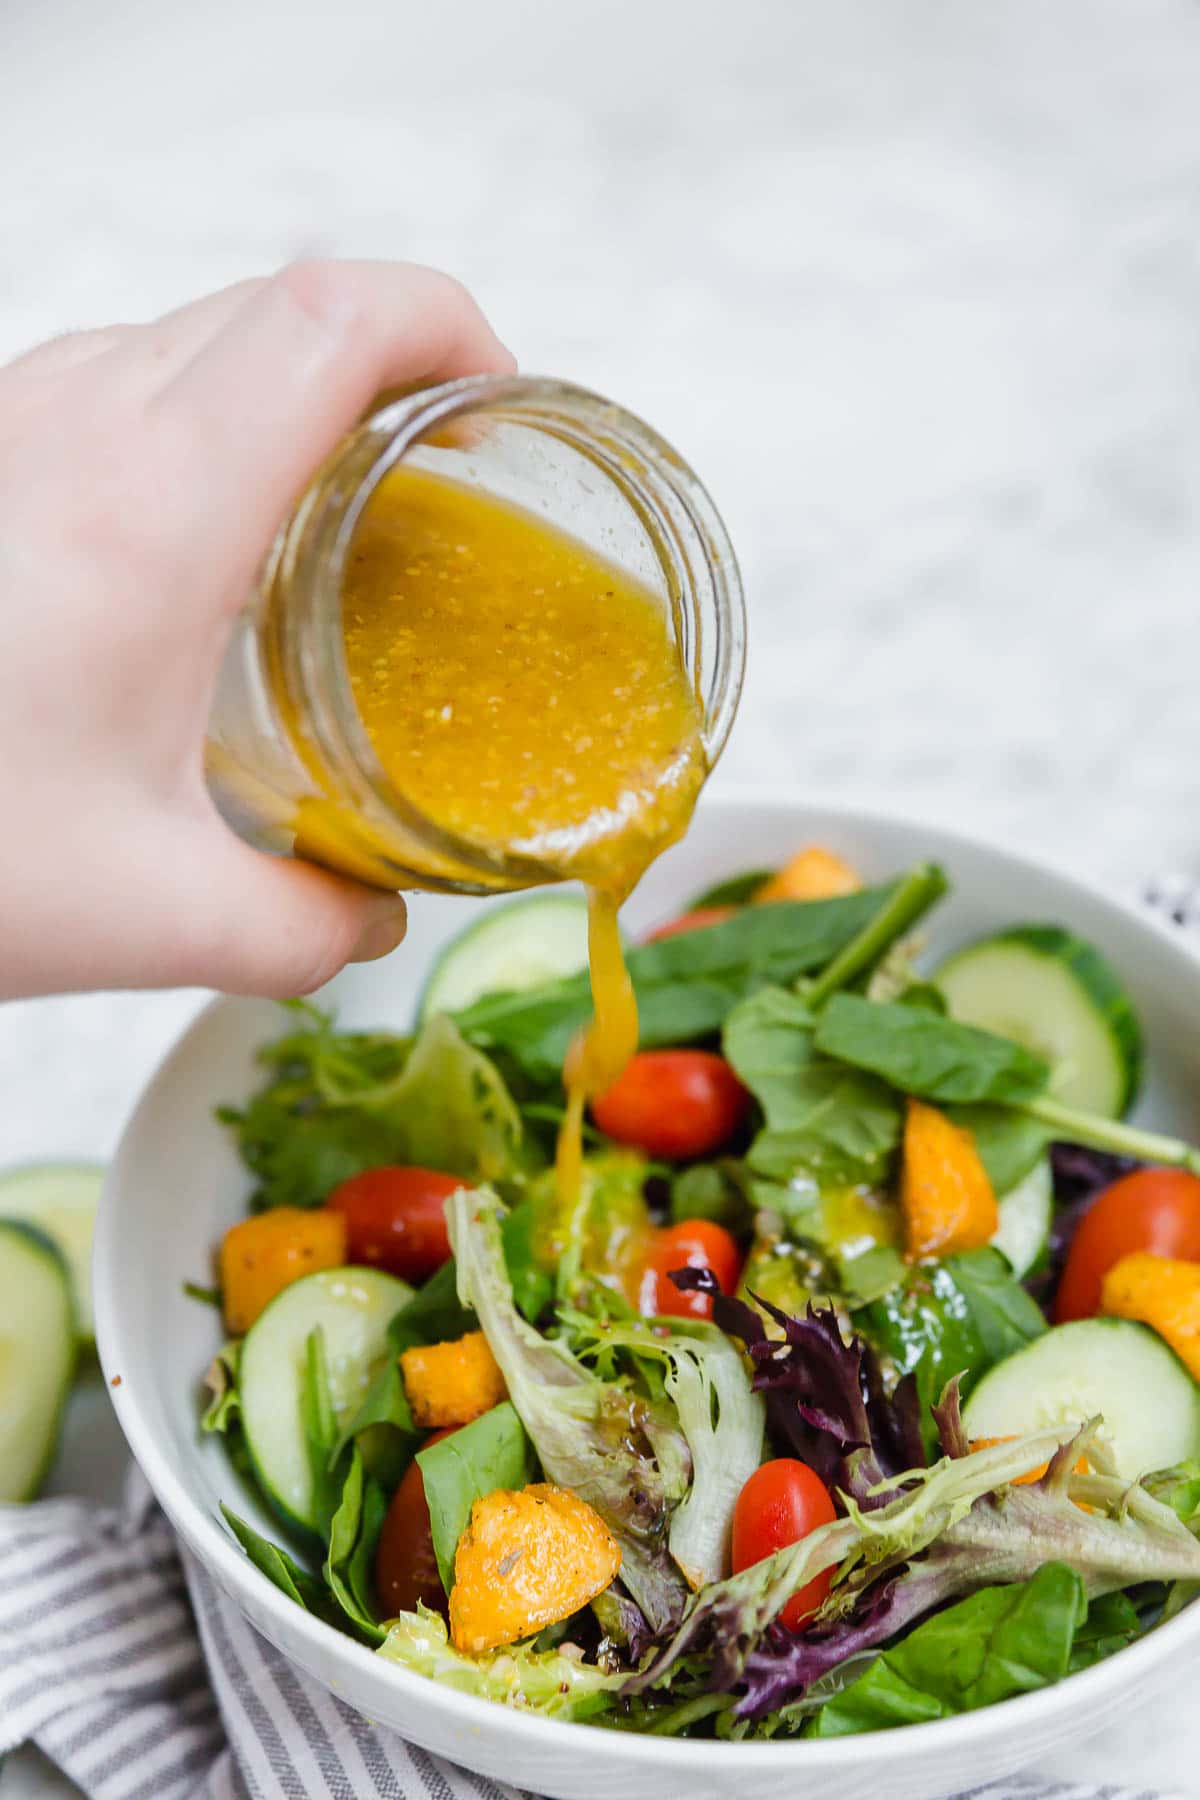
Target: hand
pixel 144 471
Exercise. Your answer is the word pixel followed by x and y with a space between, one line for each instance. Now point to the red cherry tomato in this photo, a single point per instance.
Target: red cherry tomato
pixel 406 1571
pixel 691 921
pixel 673 1103
pixel 695 1244
pixel 780 1504
pixel 396 1219
pixel 1153 1209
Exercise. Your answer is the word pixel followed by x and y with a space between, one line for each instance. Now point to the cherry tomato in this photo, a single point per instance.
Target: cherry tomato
pixel 1152 1209
pixel 406 1571
pixel 673 1103
pixel 780 1504
pixel 396 1220
pixel 695 1244
pixel 690 921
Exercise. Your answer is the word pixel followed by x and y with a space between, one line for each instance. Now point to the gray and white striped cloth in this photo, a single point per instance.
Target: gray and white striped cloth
pixel 134 1674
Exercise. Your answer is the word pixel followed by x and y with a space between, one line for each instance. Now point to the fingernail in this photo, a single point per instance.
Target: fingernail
pixel 387 921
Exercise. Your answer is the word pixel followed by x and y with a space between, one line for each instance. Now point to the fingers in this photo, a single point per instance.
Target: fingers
pixel 266 926
pixel 293 366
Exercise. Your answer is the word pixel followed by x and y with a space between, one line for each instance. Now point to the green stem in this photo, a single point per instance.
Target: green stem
pixel 688 1712
pixel 913 896
pixel 1111 1134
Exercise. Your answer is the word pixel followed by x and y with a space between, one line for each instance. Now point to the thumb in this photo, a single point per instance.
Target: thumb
pixel 265 925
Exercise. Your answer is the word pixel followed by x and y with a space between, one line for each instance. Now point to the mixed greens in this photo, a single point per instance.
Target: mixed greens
pixel 855 1387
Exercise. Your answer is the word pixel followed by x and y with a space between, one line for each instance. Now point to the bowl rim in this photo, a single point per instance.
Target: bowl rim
pixel 471 1713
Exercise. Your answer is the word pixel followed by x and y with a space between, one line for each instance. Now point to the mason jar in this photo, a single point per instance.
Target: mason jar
pixel 289 760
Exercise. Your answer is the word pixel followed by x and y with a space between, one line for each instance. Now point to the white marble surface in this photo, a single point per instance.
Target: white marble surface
pixel 915 283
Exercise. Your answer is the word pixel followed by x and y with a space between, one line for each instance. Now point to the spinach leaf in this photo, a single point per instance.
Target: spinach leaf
pixel 337 1103
pixel 1111 1623
pixel 297 1583
pixel 1009 1142
pixel 492 1452
pixel 919 1052
pixel 718 1191
pixel 685 985
pixel 434 1315
pixel 738 890
pixel 957 1317
pixel 821 1116
pixel 382 1427
pixel 319 1423
pixel 1000 1642
pixel 353 1535
pixel 870 1275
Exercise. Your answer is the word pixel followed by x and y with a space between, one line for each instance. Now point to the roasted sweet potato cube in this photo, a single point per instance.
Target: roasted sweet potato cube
pixel 451 1383
pixel 527 1559
pixel 263 1255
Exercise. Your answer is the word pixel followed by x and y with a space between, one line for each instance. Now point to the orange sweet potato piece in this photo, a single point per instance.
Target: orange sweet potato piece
pixel 1163 1293
pixel 526 1559
pixel 263 1255
pixel 945 1193
pixel 451 1383
pixel 813 874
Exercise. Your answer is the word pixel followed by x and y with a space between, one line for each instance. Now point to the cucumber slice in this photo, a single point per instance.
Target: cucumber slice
pixel 1149 1403
pixel 61 1200
pixel 1056 995
pixel 1025 1214
pixel 354 1308
pixel 37 1355
pixel 509 949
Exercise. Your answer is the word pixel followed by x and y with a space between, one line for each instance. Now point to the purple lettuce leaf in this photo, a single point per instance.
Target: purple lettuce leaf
pixel 826 1401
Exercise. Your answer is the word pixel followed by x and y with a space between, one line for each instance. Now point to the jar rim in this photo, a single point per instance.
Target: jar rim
pixel 688 535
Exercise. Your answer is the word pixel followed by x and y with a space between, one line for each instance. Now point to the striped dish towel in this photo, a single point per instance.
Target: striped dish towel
pixel 134 1674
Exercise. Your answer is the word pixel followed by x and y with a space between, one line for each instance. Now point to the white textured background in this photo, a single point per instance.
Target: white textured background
pixel 914 283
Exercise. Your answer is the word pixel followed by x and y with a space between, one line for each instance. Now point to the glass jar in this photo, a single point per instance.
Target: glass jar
pixel 289 761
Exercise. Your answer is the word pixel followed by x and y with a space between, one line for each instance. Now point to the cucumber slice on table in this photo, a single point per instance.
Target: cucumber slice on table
pixel 353 1308
pixel 1149 1403
pixel 509 949
pixel 61 1200
pixel 1025 1215
pixel 37 1355
pixel 1055 994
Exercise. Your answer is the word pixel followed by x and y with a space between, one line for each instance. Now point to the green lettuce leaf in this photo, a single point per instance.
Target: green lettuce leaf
pixel 722 1419
pixel 558 1683
pixel 338 1103
pixel 492 1452
pixel 221 1379
pixel 625 1455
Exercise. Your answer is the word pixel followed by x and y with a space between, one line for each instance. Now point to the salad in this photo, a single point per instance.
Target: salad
pixel 856 1387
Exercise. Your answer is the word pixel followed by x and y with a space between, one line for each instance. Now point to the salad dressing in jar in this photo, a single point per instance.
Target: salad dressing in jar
pixel 498 643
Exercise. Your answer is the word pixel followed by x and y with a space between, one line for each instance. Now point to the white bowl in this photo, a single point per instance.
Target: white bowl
pixel 176 1184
